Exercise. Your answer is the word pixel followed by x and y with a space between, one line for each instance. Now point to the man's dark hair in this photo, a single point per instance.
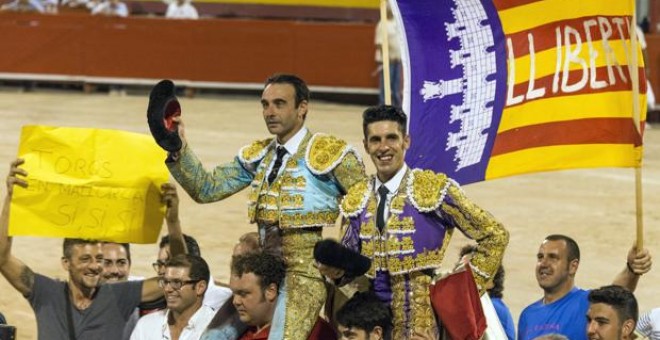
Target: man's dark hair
pixel 384 113
pixel 191 244
pixel 302 92
pixel 619 298
pixel 498 280
pixel 127 247
pixel 365 311
pixel 68 244
pixel 269 268
pixel 199 269
pixel 571 245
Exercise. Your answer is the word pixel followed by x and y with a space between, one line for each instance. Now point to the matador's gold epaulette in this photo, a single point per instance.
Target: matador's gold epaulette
pixel 324 152
pixel 355 200
pixel 255 151
pixel 427 189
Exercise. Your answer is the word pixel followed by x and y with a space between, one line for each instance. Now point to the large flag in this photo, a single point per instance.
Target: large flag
pixel 495 88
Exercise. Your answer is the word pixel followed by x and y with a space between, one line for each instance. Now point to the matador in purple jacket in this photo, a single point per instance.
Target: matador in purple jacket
pixel 403 219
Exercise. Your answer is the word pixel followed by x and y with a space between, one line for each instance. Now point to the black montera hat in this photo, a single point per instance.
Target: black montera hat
pixel 163 106
pixel 330 253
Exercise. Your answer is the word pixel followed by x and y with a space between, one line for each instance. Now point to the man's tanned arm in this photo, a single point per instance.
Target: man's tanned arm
pixel 16 272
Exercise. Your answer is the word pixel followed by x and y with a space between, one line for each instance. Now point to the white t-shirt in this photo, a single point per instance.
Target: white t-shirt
pixel 185 11
pixel 154 326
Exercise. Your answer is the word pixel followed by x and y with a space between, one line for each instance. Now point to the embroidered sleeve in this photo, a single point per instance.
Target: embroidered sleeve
pixel 350 171
pixel 209 186
pixel 477 224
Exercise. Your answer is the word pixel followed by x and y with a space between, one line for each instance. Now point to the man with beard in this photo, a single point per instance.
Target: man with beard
pixel 563 307
pixel 81 308
pixel 184 283
pixel 116 262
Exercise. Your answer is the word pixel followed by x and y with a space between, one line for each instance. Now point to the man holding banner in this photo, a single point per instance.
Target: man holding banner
pixel 403 220
pixel 80 308
pixel 294 183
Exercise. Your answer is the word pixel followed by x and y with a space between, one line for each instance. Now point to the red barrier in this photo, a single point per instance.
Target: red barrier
pixel 216 51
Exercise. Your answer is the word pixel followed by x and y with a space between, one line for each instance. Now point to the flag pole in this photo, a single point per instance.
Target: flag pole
pixel 385 52
pixel 634 78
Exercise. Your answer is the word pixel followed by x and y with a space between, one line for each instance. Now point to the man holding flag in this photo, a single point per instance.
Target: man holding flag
pixel 563 307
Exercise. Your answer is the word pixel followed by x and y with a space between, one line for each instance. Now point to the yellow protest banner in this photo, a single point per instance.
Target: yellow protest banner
pixel 89 183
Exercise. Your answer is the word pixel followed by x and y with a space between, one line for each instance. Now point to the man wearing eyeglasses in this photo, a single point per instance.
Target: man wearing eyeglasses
pixel 184 284
pixel 175 243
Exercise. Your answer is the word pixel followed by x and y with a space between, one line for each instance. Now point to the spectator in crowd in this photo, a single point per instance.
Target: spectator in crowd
pixel 247 243
pixel 50 6
pixel 552 336
pixel 75 4
pixel 215 295
pixel 612 314
pixel 648 324
pixel 175 243
pixel 255 281
pixel 23 6
pixel 184 284
pixel 81 307
pixel 181 9
pixel 563 307
pixel 116 262
pixel 226 323
pixel 364 317
pixel 111 8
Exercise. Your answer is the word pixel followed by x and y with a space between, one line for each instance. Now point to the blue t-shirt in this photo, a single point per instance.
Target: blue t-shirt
pixel 566 316
pixel 504 315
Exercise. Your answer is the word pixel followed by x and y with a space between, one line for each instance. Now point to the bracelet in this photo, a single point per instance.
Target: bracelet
pixel 630 268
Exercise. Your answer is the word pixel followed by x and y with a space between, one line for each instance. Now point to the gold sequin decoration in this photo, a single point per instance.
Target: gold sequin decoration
pixel 354 200
pixel 324 152
pixel 304 284
pixel 251 152
pixel 411 305
pixel 427 187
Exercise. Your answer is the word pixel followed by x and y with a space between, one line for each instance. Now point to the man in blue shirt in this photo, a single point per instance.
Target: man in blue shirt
pixel 563 307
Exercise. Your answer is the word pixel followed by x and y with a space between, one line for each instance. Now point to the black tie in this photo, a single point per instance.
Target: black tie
pixel 281 152
pixel 380 214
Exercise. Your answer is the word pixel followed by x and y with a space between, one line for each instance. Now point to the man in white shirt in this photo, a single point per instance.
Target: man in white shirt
pixel 181 9
pixel 184 284
pixel 111 8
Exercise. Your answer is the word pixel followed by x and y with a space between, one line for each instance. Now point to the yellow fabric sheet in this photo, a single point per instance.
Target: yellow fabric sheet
pixel 89 183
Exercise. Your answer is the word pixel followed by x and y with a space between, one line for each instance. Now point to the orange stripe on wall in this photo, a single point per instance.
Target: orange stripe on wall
pixel 576 75
pixel 545 35
pixel 583 131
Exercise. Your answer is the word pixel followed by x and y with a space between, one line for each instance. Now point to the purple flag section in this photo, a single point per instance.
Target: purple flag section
pixel 455 83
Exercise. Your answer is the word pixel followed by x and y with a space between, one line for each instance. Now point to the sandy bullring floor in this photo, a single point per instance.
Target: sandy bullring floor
pixel 595 206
